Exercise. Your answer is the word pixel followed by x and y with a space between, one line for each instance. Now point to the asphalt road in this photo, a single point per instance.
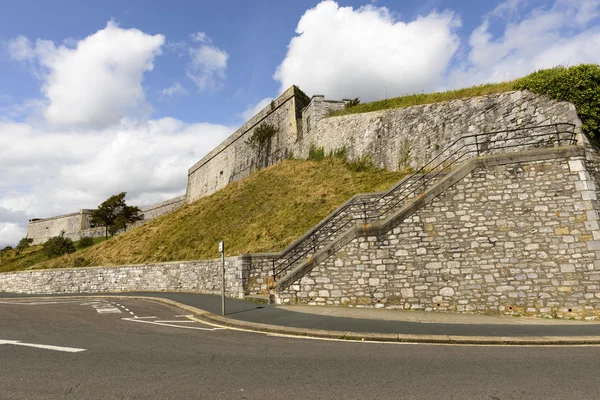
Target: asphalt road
pixel 268 314
pixel 110 350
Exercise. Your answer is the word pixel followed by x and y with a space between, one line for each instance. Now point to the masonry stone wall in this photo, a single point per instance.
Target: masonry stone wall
pixel 164 207
pixel 77 225
pixel 520 238
pixel 411 136
pixel 43 229
pixel 234 159
pixel 189 276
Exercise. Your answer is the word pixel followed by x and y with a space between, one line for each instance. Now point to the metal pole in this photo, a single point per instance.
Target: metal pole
pixel 222 249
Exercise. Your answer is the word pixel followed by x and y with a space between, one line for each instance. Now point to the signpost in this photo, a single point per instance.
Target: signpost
pixel 222 250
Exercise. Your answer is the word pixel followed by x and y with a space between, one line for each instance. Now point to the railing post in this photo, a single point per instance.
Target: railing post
pixel 557 135
pixel 365 211
pixel 477 144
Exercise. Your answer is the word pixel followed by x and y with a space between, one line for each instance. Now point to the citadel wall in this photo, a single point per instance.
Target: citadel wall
pixel 409 137
pixel 77 225
pixel 234 159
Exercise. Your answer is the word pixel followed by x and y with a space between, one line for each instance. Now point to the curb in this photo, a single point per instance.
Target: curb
pixel 213 319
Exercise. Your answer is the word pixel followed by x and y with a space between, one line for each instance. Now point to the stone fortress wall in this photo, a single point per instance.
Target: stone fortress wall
pixel 516 233
pixel 77 225
pixel 393 139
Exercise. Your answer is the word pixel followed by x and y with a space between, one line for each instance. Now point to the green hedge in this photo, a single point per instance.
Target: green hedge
pixel 579 85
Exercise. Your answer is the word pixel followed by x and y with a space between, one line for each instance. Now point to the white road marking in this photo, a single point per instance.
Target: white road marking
pixel 108 311
pixel 144 317
pixel 42 346
pixel 177 321
pixel 171 325
pixel 36 303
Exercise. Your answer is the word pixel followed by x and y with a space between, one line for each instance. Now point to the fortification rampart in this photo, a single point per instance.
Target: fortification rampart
pixel 409 137
pixel 77 225
pixel 234 159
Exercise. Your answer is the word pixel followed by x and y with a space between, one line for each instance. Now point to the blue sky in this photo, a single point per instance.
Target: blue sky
pixel 90 90
pixel 255 35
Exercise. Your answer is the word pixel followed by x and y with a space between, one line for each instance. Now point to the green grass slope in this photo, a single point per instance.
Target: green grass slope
pixel 13 260
pixel 263 213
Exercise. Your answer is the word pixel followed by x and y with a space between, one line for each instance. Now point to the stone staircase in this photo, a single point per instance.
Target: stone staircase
pixel 368 211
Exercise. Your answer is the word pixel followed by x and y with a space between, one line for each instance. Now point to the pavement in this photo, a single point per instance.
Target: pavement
pixel 124 347
pixel 372 324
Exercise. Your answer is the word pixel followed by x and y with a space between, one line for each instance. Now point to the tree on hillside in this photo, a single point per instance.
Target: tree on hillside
pixel 4 252
pixel 23 244
pixel 114 214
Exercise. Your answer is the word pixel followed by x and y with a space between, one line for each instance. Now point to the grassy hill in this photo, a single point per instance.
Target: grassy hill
pixel 263 213
pixel 13 260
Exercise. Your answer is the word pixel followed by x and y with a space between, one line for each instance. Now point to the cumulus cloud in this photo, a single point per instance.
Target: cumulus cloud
pixel 559 34
pixel 97 82
pixel 52 172
pixel 344 52
pixel 255 109
pixel 174 89
pixel 208 63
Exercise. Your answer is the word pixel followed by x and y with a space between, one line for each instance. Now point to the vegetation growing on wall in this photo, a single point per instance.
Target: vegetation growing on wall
pixel 579 85
pixel 260 140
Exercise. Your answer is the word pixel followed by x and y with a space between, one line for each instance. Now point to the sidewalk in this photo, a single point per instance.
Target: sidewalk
pixel 345 322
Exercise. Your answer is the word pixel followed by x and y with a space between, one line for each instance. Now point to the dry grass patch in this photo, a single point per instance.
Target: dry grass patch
pixel 263 213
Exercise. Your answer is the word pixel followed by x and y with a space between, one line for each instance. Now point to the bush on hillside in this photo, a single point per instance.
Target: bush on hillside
pixel 85 241
pixel 57 246
pixel 579 85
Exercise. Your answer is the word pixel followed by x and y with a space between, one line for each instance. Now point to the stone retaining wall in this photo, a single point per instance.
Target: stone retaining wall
pixel 520 238
pixel 411 136
pixel 246 274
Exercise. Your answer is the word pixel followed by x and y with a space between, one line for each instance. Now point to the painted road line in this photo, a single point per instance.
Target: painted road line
pixel 37 303
pixel 42 346
pixel 177 322
pixel 171 325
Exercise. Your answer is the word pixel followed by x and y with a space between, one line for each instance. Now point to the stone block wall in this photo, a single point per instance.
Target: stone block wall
pixel 411 136
pixel 244 275
pixel 41 230
pixel 234 159
pixel 189 276
pixel 77 225
pixel 520 238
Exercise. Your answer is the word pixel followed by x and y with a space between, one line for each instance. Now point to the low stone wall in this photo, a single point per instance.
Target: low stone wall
pixel 189 276
pixel 520 238
pixel 245 274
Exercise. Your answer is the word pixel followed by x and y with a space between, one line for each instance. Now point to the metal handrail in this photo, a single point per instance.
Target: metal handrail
pixel 409 186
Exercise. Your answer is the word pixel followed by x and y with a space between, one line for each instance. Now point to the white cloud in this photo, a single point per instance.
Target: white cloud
pixel 208 63
pixel 97 82
pixel 253 110
pixel 174 89
pixel 200 37
pixel 52 172
pixel 543 38
pixel 341 52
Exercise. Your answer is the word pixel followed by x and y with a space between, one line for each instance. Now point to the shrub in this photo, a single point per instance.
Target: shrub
pixel 361 164
pixel 57 246
pixel 579 85
pixel 352 103
pixel 85 241
pixel 316 153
